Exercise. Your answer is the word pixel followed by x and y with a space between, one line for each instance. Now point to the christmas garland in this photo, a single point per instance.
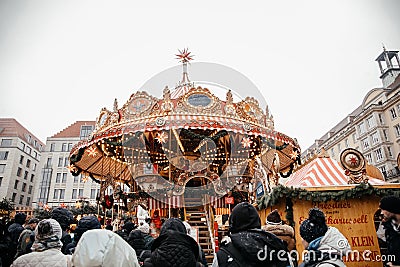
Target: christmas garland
pixel 6 204
pixel 323 196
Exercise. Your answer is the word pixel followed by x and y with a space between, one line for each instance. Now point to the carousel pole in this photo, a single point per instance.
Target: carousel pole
pixel 169 171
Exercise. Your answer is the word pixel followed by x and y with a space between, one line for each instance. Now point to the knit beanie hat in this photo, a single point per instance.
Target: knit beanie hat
pixel 129 226
pixel 63 216
pixel 244 217
pixel 313 227
pixel 274 218
pixel 391 204
pixel 144 228
pixel 20 218
pixel 86 223
pixel 48 233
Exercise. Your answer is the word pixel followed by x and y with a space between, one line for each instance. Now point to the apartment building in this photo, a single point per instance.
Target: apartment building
pixel 20 153
pixel 56 185
pixel 373 128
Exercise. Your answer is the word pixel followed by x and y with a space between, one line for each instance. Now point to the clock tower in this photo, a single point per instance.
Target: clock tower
pixel 389 65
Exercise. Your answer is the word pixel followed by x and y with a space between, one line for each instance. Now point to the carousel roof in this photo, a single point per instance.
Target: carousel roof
pixel 192 109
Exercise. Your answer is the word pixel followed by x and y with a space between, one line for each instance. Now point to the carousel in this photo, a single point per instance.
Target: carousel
pixel 188 148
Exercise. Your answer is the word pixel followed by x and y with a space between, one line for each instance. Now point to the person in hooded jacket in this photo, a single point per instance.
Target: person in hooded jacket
pixel 27 237
pixel 275 225
pixel 326 245
pixel 86 223
pixel 126 229
pixel 6 257
pixel 136 241
pixel 100 247
pixel 173 247
pixel 46 248
pixel 64 217
pixel 148 239
pixel 247 244
pixel 15 231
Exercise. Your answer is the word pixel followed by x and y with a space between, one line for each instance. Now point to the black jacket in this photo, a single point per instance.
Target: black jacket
pixel 393 242
pixel 252 248
pixel 173 248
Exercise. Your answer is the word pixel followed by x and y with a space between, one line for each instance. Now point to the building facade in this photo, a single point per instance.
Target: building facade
pixel 20 154
pixel 373 128
pixel 56 185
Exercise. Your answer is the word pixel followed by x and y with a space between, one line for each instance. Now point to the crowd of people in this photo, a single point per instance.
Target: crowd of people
pixel 47 242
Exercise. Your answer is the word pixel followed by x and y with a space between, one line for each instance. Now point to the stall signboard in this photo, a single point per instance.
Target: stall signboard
pixel 354 218
pixel 259 190
pixel 229 200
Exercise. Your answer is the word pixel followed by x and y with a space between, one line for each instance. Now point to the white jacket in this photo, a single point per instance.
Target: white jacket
pixel 101 247
pixel 48 258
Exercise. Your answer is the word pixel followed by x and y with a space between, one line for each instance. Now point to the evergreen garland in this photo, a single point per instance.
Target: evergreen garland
pixel 358 191
pixel 6 204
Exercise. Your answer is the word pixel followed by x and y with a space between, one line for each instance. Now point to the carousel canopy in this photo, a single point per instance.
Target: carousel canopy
pixel 194 131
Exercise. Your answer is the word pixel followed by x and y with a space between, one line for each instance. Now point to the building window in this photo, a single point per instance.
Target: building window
pixel 381 120
pixel 28 150
pixel 28 201
pixel 76 179
pixel 52 147
pixel 55 196
pixel 397 130
pixel 21 199
pixel 29 139
pixel 66 162
pixel 93 193
pixel 60 161
pixel 28 163
pixel 64 178
pixel 332 152
pixel 1 180
pixel 16 184
pixel 339 148
pixel 354 138
pixel 19 172
pixel 378 154
pixel 371 122
pixel 14 195
pixel 48 163
pixel 390 153
pixel 375 138
pixel 361 128
pixel 32 177
pixel 23 187
pixel 6 142
pixel 80 193
pixel 34 167
pixel 21 159
pixel 64 147
pixel 26 175
pixel 86 130
pixel 369 158
pixel 383 170
pixel 365 143
pixel 74 193
pixel 30 189
pixel 22 147
pixel 2 167
pixel 35 143
pixel 69 146
pixel 35 154
pixel 58 177
pixel 62 193
pixel 3 155
pixel 385 135
pixel 346 143
pixel 393 113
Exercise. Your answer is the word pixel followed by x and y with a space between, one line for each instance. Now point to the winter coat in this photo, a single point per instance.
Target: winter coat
pixel 48 258
pixel 148 240
pixel 25 241
pixel 15 231
pixel 393 241
pixel 65 239
pixel 136 241
pixel 248 249
pixel 173 248
pixel 327 250
pixel 103 248
pixel 284 232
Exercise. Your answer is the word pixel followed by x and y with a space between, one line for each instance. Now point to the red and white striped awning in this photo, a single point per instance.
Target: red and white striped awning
pixel 218 202
pixel 322 172
pixel 165 203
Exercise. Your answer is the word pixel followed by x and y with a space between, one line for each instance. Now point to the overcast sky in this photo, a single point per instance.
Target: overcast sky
pixel 62 61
